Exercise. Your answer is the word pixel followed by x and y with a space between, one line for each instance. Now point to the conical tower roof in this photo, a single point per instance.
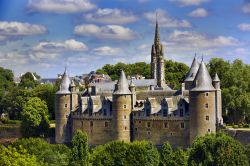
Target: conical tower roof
pixel 193 70
pixel 202 81
pixel 122 85
pixel 65 83
pixel 132 83
pixel 216 78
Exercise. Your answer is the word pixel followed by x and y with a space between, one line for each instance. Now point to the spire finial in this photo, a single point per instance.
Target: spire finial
pixel 195 55
pixel 202 58
pixel 157 35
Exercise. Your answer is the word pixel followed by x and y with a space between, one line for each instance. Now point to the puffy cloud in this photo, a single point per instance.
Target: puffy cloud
pixel 244 27
pixel 12 58
pixel 111 16
pixel 50 50
pixel 106 50
pixel 188 2
pixel 15 30
pixel 198 40
pixel 60 6
pixel 246 8
pixel 165 20
pixel 199 12
pixel 105 32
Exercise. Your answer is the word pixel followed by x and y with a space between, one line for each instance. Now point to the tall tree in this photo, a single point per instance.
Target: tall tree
pixel 35 118
pixel 80 152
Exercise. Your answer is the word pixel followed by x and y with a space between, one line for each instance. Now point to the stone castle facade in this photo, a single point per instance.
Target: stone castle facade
pixel 146 109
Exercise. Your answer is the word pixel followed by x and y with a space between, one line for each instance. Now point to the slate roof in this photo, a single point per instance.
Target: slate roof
pixel 202 81
pixel 65 83
pixel 216 78
pixel 193 70
pixel 122 85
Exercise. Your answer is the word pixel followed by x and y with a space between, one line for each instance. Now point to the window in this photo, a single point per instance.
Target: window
pixel 104 112
pixel 65 105
pixel 165 112
pixel 165 125
pixel 106 124
pixel 125 117
pixel 147 112
pixel 181 112
pixel 139 121
pixel 206 93
pixel 206 105
pixel 124 106
pixel 207 118
pixel 208 130
pixel 91 123
pixel 182 125
pixel 148 133
pixel 125 127
pixel 148 125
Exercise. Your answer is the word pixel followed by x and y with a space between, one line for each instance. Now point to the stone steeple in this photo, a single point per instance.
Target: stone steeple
pixel 122 85
pixel 157 59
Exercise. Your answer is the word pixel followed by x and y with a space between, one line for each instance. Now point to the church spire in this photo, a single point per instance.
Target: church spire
pixel 157 34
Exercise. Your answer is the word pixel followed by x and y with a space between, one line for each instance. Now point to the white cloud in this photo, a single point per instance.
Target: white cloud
pixel 199 12
pixel 246 8
pixel 111 16
pixel 12 59
pixel 198 40
pixel 105 32
pixel 165 20
pixel 60 6
pixel 188 2
pixel 106 50
pixel 244 27
pixel 14 30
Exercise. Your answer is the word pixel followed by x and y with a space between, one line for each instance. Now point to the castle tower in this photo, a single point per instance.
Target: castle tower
pixel 121 108
pixel 218 102
pixel 62 110
pixel 202 104
pixel 74 96
pixel 133 91
pixel 191 74
pixel 157 59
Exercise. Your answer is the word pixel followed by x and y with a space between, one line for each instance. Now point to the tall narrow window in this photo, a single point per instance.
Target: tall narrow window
pixel 181 112
pixel 207 118
pixel 206 93
pixel 106 124
pixel 65 105
pixel 91 124
pixel 182 125
pixel 206 105
pixel 148 124
pixel 124 106
pixel 165 125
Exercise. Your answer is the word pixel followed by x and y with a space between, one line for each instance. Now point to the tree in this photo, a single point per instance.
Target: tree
pixel 217 149
pixel 47 92
pixel 10 156
pixel 28 81
pixel 35 118
pixel 170 157
pixel 51 154
pixel 122 154
pixel 79 153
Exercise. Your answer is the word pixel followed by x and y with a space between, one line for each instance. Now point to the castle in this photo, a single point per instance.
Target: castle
pixel 146 109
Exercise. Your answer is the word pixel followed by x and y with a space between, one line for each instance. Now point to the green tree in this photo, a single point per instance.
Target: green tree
pixel 11 157
pixel 217 149
pixel 35 118
pixel 50 154
pixel 80 152
pixel 47 92
pixel 28 81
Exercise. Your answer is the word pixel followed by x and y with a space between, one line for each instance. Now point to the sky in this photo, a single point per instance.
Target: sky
pixel 43 36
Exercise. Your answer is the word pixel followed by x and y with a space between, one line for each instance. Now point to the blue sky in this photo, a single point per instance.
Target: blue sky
pixel 44 35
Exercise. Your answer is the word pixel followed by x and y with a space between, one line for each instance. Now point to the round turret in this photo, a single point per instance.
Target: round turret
pixel 202 105
pixel 62 111
pixel 121 108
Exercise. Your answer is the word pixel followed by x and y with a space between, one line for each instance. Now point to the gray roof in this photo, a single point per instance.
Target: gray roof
pixel 65 83
pixel 122 85
pixel 193 70
pixel 216 78
pixel 132 83
pixel 202 81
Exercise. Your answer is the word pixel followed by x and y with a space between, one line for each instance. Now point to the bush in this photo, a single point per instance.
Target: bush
pixel 46 153
pixel 121 154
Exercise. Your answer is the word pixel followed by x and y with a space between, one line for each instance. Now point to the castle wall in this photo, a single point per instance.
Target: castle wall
pixel 99 131
pixel 159 131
